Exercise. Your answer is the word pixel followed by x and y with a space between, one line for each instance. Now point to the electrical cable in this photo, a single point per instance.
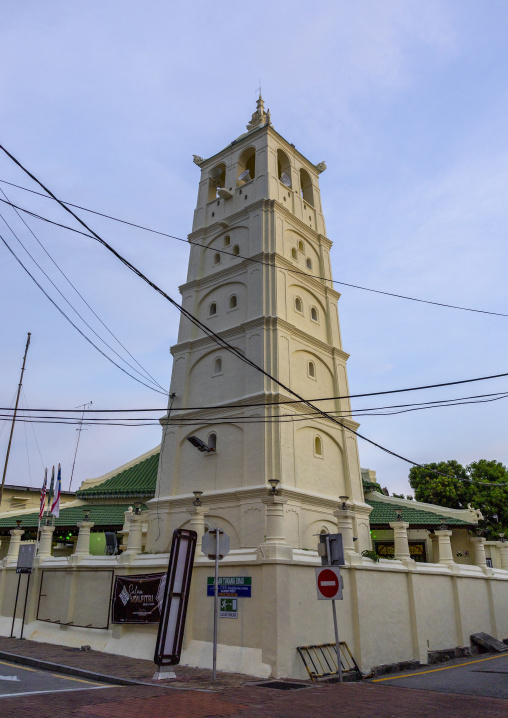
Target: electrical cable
pixel 240 256
pixel 148 375
pixel 217 338
pixel 71 322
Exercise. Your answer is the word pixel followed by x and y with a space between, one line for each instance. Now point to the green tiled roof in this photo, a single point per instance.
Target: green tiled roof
pixel 137 481
pixel 384 513
pixel 106 515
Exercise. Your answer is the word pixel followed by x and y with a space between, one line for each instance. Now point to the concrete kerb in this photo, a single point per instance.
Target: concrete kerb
pixel 83 673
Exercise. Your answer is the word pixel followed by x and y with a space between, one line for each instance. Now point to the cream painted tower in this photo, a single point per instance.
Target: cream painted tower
pixel 258 237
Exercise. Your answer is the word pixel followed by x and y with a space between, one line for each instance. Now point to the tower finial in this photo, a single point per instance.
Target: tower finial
pixel 259 116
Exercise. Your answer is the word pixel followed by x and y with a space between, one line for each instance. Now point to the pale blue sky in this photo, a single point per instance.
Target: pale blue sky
pixel 407 103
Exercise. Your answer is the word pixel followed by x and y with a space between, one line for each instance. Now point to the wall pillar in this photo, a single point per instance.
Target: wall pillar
pixel 479 551
pixel 135 538
pixel 503 551
pixel 274 545
pixel 45 541
pixel 83 542
pixel 12 553
pixel 401 540
pixel 345 527
pixel 197 524
pixel 444 546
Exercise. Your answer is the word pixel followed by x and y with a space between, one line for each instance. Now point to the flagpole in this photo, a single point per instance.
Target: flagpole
pixel 41 510
pixel 50 494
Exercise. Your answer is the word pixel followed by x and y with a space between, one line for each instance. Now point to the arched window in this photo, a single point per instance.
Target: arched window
pixel 246 170
pixel 298 305
pixel 309 263
pixel 301 246
pixel 318 446
pixel 312 370
pixel 314 314
pixel 233 301
pixel 294 253
pixel 236 250
pixel 213 309
pixel 227 240
pixel 217 366
pixel 216 180
pixel 306 189
pixel 212 441
pixel 216 258
pixel 283 168
pixel 324 531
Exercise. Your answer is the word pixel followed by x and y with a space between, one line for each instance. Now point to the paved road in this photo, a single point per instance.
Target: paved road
pixel 472 677
pixel 18 680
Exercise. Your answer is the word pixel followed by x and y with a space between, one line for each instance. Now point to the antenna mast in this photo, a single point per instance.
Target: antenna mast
pixel 14 418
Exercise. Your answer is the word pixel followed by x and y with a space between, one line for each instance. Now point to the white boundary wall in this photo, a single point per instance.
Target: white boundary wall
pixel 392 611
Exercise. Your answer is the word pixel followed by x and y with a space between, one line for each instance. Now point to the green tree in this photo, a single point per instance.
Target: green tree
pixel 460 487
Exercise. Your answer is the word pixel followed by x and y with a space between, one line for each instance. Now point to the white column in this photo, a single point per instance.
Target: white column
pixel 400 540
pixel 12 553
pixel 444 546
pixel 345 527
pixel 274 545
pixel 503 551
pixel 197 524
pixel 479 551
pixel 135 538
pixel 45 541
pixel 83 542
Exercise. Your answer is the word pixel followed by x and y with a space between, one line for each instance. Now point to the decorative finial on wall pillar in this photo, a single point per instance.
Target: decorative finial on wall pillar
pixel 259 116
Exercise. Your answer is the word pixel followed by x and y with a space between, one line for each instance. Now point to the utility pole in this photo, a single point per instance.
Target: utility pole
pixel 79 430
pixel 14 419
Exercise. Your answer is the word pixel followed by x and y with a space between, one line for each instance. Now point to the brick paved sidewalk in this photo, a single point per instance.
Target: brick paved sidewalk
pixel 120 666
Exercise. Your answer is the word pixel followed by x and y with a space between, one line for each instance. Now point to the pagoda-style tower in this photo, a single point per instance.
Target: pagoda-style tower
pixel 259 275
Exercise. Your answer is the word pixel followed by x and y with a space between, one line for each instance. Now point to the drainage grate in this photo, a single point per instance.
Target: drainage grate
pixel 282 685
pixel 321 661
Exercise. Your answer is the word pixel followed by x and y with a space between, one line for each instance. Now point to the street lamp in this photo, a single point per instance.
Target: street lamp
pixel 273 483
pixel 197 498
pixel 399 514
pixel 18 523
pixel 344 502
pixel 137 508
pixel 86 513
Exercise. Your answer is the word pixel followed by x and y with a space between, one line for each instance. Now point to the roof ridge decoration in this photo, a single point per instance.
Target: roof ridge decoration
pixel 259 116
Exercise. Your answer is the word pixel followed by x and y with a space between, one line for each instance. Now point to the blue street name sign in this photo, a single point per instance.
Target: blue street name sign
pixel 230 587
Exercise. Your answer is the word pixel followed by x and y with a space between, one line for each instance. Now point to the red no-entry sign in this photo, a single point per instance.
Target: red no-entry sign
pixel 329 585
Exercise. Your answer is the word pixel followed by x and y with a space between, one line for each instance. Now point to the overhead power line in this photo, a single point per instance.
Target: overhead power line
pixel 146 373
pixel 214 336
pixel 395 295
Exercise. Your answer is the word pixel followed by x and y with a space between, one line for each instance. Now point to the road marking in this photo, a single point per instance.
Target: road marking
pixel 79 680
pixel 56 690
pixel 434 670
pixel 15 665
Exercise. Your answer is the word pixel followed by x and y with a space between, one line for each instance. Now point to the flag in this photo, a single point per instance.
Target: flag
pixel 55 506
pixel 43 495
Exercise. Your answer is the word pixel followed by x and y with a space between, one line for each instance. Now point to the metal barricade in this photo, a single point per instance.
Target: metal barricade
pixel 321 661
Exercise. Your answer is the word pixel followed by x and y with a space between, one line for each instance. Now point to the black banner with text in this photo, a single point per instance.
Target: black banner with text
pixel 138 599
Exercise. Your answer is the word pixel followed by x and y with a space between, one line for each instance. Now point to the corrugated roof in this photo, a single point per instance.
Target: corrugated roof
pixel 384 513
pixel 105 515
pixel 137 481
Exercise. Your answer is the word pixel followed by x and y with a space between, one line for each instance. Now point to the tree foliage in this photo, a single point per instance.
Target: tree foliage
pixel 458 488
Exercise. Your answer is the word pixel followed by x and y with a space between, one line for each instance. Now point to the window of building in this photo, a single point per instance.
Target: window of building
pixel 306 190
pixel 283 168
pixel 216 180
pixel 233 301
pixel 227 240
pixel 212 441
pixel 301 246
pixel 311 370
pixel 298 305
pixel 246 169
pixel 294 253
pixel 309 263
pixel 236 250
pixel 314 314
pixel 216 258
pixel 217 366
pixel 213 309
pixel 318 446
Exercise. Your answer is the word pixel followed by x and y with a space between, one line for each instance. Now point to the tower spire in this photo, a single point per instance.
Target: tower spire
pixel 259 116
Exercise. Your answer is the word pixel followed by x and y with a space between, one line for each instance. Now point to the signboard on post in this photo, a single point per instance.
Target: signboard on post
pixel 209 544
pixel 138 599
pixel 228 608
pixel 329 584
pixel 230 586
pixel 176 597
pixel 331 550
pixel 25 558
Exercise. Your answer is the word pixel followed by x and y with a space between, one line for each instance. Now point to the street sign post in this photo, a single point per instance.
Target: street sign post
pixel 329 581
pixel 215 545
pixel 25 565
